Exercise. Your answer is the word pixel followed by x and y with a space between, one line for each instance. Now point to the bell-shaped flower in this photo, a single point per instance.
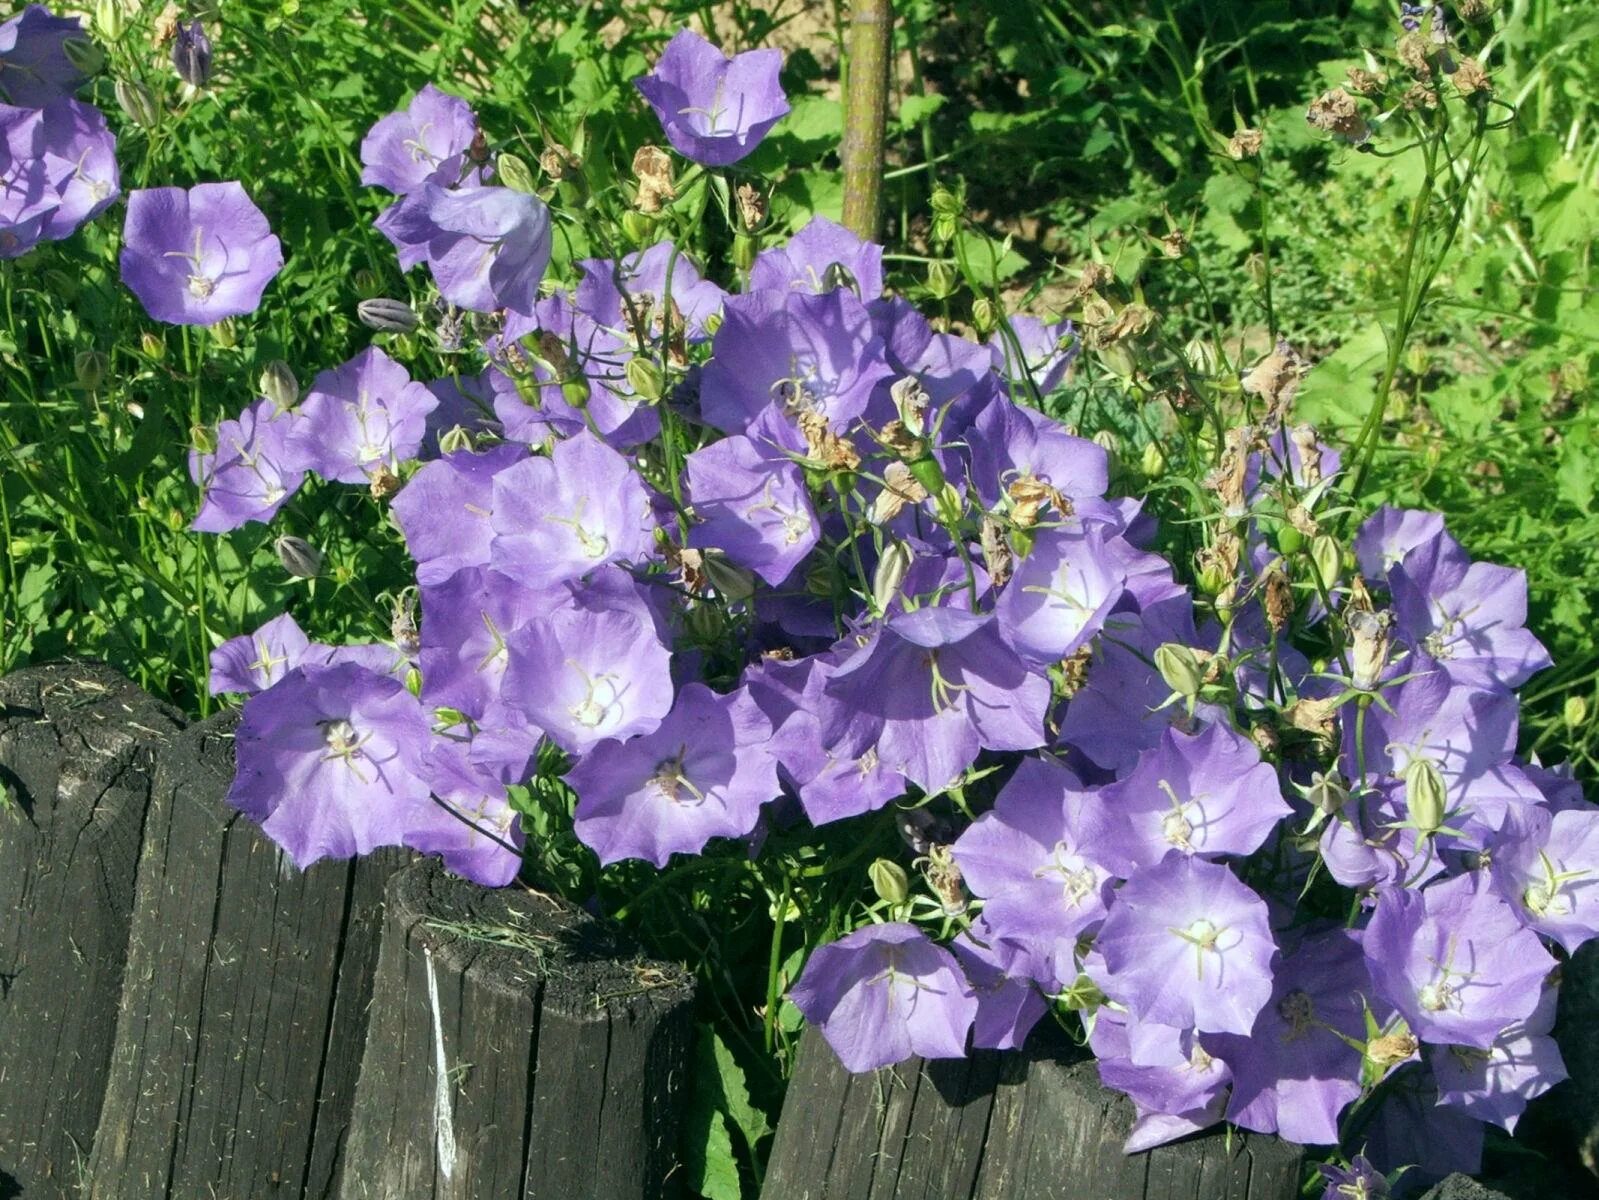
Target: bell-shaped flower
pixel 929 689
pixel 1454 960
pixel 884 993
pixel 1187 944
pixel 444 511
pixel 714 109
pixel 1497 1084
pixel 467 622
pixel 1385 537
pixel 471 824
pixel 488 247
pixel 198 256
pixel 820 258
pixel 251 472
pixel 751 505
pixel 561 517
pixel 34 67
pixel 703 773
pixel 648 292
pixel 802 353
pixel 1546 866
pixel 1009 1002
pixel 1026 349
pixel 426 142
pixel 1175 1080
pixel 1207 794
pixel 255 661
pixel 330 762
pixel 365 415
pixel 1060 594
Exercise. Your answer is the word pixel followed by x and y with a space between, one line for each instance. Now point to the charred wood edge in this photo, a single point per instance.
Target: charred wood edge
pixel 1034 1124
pixel 240 1026
pixel 77 749
pixel 575 1051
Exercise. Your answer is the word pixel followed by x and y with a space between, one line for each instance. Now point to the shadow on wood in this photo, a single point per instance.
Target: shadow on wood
pixel 1029 1125
pixel 77 743
pixel 245 1002
pixel 517 1049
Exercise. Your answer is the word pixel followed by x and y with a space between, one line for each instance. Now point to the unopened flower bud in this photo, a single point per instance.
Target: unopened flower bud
pixel 575 391
pixel 984 319
pixel 89 367
pixel 1153 460
pixel 1107 441
pixel 109 20
pixel 137 103
pixel 1425 795
pixel 278 384
pixel 1180 667
pixel 892 567
pixel 298 556
pixel 1328 556
pixel 889 881
pixel 946 203
pixel 732 584
pixel 1576 712
pixel 83 54
pixel 203 438
pixel 191 54
pixel 744 251
pixel 367 283
pixel 1201 355
pixel 1119 360
pixel 225 333
pixel 515 174
pixel 638 227
pixel 940 279
pixel 387 315
pixel 152 345
pixel 646 378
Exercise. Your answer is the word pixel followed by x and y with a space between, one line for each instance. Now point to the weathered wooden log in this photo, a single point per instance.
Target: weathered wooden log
pixel 245 1001
pixel 1574 1104
pixel 76 753
pixel 1462 1187
pixel 1034 1124
pixel 518 1048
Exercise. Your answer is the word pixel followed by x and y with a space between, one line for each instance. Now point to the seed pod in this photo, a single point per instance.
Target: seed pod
pixel 889 881
pixel 387 315
pixel 1328 556
pixel 152 345
pixel 137 103
pixel 1153 460
pixel 515 174
pixel 278 384
pixel 109 21
pixel 299 557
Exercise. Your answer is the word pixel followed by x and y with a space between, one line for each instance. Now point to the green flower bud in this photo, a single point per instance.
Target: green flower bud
pixel 732 584
pixel 109 21
pixel 984 319
pixel 136 103
pixel 1576 712
pixel 1425 795
pixel 515 174
pixel 152 345
pixel 638 227
pixel 575 391
pixel 928 473
pixel 299 557
pixel 1119 360
pixel 941 281
pixel 1201 356
pixel 278 384
pixel 226 333
pixel 744 248
pixel 1289 540
pixel 1180 667
pixel 889 881
pixel 203 438
pixel 713 323
pixel 367 283
pixel 1328 556
pixel 89 367
pixel 946 203
pixel 1153 460
pixel 646 378
pixel 84 55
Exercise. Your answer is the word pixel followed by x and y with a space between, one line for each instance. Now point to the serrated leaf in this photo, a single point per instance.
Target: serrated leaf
pixel 750 1121
pixel 913 110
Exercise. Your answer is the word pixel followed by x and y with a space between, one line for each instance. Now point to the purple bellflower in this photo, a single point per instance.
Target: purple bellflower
pixel 471 825
pixel 819 258
pixel 198 256
pixel 1187 944
pixel 444 511
pixel 1455 961
pixel 488 247
pixel 250 474
pixel 561 517
pixel 1498 1083
pixel 929 689
pixel 1546 866
pixel 884 993
pixel 34 67
pixel 1389 534
pixel 357 418
pixel 714 109
pixel 703 773
pixel 751 505
pixel 1060 594
pixel 423 143
pixel 253 662
pixel 331 762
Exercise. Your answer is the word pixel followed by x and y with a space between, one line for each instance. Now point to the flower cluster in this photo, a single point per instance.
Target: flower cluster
pixel 58 165
pixel 786 556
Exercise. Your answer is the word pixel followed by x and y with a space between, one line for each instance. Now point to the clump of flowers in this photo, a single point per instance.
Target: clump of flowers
pixel 730 566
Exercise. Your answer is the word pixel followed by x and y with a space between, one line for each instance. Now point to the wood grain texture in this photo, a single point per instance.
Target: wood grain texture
pixel 244 1007
pixel 1029 1125
pixel 77 746
pixel 562 1053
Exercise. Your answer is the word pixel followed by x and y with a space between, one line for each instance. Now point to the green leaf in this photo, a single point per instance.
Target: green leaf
pixel 914 110
pixel 1575 476
pixel 751 1121
pixel 1339 391
pixel 814 119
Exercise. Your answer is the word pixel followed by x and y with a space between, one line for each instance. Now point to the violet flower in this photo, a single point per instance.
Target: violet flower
pixel 1187 944
pixel 365 415
pixel 444 510
pixel 1455 961
pixel 191 54
pixel 884 993
pixel 714 109
pixel 1175 1081
pixel 1497 1084
pixel 561 517
pixel 1207 794
pixel 703 773
pixel 929 690
pixel 330 762
pixel 487 247
pixel 251 473
pixel 820 258
pixel 253 662
pixel 1034 351
pixel 1385 537
pixel 1546 866
pixel 198 256
pixel 1009 1003
pixel 34 67
pixel 471 824
pixel 752 505
pixel 467 622
pixel 424 143
pixel 1060 594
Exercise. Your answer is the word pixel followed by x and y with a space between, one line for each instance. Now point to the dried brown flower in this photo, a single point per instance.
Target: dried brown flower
pixel 1336 112
pixel 653 167
pixel 1246 143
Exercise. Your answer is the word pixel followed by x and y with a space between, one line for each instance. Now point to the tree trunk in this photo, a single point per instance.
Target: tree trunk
pixel 871 39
